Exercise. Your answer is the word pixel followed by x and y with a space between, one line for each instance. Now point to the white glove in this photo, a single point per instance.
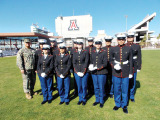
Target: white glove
pixel 117 67
pixel 95 68
pixel 81 74
pixel 43 75
pixel 90 67
pixel 130 75
pixel 138 70
pixel 61 76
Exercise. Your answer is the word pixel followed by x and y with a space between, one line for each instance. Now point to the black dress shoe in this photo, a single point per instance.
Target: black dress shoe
pixel 79 102
pixel 43 102
pixel 101 105
pixel 125 110
pixel 67 103
pixel 132 100
pixel 84 103
pixel 115 108
pixel 49 101
pixel 95 103
pixel 61 103
pixel 111 96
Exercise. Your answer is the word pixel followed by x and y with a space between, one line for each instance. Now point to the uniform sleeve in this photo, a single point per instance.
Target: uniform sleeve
pixel 74 64
pixel 130 61
pixel 86 61
pixel 139 58
pixel 20 60
pixel 112 58
pixel 104 62
pixel 71 54
pixel 51 66
pixel 56 66
pixel 36 59
pixel 90 58
pixel 68 66
pixel 38 66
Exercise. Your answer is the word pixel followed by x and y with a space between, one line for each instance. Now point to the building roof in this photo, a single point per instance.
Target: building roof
pixel 142 25
pixel 26 34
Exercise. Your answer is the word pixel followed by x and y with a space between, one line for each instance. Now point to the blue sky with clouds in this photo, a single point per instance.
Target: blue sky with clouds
pixel 108 15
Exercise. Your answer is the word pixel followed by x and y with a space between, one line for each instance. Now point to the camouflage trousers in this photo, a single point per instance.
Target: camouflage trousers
pixel 29 79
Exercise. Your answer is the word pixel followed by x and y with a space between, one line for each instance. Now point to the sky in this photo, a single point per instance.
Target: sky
pixel 108 15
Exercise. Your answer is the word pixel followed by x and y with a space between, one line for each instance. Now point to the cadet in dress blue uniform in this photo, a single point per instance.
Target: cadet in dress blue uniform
pixel 90 48
pixel 98 66
pixel 53 46
pixel 62 67
pixel 121 62
pixel 80 64
pixel 59 41
pixel 45 71
pixel 72 69
pixel 136 49
pixel 109 83
pixel 39 52
pixel 56 52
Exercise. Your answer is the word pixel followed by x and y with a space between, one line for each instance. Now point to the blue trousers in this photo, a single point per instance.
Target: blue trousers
pixel 63 85
pixel 132 85
pixel 82 86
pixel 46 85
pixel 99 82
pixel 121 86
pixel 112 89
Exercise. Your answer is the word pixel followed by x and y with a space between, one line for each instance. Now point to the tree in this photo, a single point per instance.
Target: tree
pixel 158 37
pixel 143 41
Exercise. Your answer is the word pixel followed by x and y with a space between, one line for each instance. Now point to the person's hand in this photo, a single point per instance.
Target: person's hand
pixel 36 71
pixel 61 76
pixel 130 75
pixel 138 70
pixel 81 74
pixel 43 75
pixel 117 67
pixel 22 71
pixel 90 67
pixel 95 68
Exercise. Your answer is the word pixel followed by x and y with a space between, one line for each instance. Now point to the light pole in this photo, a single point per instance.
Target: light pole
pixel 61 24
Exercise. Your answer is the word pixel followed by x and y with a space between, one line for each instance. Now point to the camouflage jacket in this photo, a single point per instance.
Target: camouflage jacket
pixel 26 59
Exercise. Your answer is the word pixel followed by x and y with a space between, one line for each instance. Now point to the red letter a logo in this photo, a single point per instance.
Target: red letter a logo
pixel 73 25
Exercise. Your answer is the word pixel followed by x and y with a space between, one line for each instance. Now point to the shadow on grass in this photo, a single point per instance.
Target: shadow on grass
pixel 38 91
pixel 138 85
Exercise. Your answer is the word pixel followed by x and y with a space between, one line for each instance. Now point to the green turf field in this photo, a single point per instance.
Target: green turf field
pixel 14 105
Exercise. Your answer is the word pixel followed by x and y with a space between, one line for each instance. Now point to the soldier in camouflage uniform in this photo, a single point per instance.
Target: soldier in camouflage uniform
pixel 26 64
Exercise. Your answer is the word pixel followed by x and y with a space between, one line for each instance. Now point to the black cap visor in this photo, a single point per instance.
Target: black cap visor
pixel 98 42
pixel 108 40
pixel 80 43
pixel 121 38
pixel 130 36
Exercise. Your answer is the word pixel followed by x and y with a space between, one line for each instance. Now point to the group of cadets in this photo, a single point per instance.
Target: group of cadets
pixel 110 70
